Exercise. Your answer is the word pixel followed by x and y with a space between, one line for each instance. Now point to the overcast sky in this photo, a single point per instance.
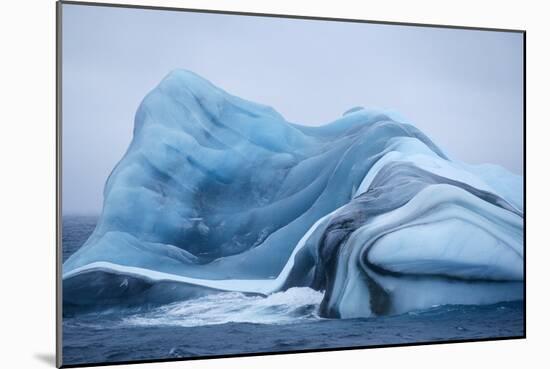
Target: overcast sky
pixel 462 88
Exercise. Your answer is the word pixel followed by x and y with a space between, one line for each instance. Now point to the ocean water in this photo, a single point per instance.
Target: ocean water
pixel 236 323
pixel 76 230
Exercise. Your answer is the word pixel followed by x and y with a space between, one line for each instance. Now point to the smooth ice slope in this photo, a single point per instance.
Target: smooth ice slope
pixel 216 193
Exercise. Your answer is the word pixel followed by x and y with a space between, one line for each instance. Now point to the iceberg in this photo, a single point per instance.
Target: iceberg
pixel 218 194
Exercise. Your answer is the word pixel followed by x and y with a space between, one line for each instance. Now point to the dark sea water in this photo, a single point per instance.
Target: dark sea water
pixel 233 323
pixel 76 230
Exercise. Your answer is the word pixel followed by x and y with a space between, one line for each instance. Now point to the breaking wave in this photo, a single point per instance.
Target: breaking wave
pixel 295 304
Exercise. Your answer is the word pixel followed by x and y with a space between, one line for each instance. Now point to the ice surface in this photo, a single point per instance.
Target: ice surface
pixel 218 194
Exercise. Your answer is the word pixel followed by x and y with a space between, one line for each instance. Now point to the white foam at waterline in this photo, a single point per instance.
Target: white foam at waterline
pixel 293 305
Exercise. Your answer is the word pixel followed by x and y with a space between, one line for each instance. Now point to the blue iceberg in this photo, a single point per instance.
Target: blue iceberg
pixel 217 194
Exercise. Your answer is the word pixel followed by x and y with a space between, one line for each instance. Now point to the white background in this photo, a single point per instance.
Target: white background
pixel 27 172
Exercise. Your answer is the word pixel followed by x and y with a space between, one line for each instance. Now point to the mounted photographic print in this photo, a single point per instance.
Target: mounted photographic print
pixel 245 184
